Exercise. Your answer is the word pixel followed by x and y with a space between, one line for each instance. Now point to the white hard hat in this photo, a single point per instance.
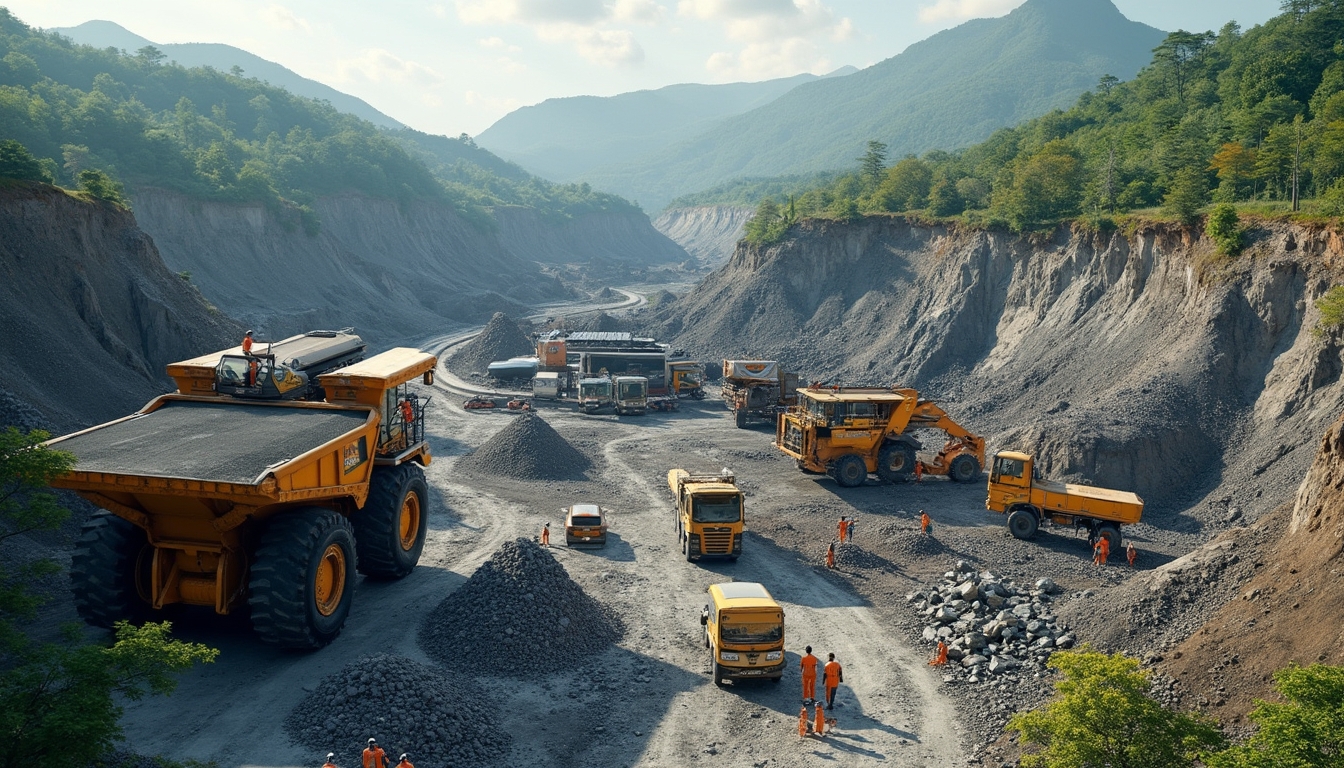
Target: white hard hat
pixel 373 741
pixel 330 755
pixel 403 756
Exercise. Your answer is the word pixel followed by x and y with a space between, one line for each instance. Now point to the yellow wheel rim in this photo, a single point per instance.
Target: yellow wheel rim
pixel 329 583
pixel 409 523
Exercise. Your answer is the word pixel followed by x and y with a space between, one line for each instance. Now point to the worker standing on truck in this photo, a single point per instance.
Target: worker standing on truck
pixel 546 535
pixel 925 523
pixel 830 555
pixel 331 757
pixel 247 343
pixel 407 411
pixel 834 677
pixel 809 666
pixel 1131 553
pixel 374 756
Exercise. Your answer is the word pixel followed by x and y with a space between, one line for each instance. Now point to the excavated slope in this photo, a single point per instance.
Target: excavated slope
pixel 1139 361
pixel 707 232
pixel 89 314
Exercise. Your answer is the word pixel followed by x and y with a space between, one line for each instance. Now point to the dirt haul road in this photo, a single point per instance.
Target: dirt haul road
pixel 648 700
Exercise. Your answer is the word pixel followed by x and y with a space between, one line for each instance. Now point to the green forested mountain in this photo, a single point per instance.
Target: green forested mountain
pixel 217 135
pixel 1226 117
pixel 951 90
pixel 563 139
pixel 107 34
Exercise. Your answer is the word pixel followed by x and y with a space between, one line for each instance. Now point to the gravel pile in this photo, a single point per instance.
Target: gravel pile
pixel 527 449
pixel 599 321
pixel 849 555
pixel 521 611
pixel 501 340
pixel 407 706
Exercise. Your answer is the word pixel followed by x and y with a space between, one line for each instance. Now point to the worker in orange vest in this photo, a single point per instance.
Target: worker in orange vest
pixel 844 527
pixel 1131 553
pixel 331 756
pixel 940 657
pixel 830 555
pixel 803 725
pixel 835 675
pixel 925 523
pixel 374 756
pixel 809 666
pixel 404 763
pixel 247 343
pixel 546 535
pixel 252 372
pixel 1101 551
pixel 919 471
pixel 407 411
pixel 819 726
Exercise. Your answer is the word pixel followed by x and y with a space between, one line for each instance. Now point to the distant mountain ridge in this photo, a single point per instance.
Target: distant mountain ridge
pixel 107 34
pixel 562 139
pixel 949 91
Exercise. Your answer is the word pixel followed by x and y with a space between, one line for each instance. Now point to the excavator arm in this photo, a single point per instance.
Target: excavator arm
pixel 960 441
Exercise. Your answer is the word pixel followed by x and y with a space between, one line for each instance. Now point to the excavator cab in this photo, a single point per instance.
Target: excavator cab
pixel 1011 468
pixel 259 376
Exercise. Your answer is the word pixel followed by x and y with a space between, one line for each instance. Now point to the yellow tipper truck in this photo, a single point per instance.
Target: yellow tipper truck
pixel 848 432
pixel 227 501
pixel 744 632
pixel 710 520
pixel 1028 501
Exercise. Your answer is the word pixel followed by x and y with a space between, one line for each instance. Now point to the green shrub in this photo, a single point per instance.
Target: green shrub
pixel 16 162
pixel 1224 229
pixel 1331 307
pixel 98 184
pixel 1306 731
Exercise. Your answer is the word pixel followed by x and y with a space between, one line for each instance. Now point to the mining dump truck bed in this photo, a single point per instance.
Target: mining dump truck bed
pixel 214 442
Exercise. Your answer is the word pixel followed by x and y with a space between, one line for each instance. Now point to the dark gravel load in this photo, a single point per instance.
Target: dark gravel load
pixel 527 449
pixel 407 706
pixel 521 611
pixel 501 340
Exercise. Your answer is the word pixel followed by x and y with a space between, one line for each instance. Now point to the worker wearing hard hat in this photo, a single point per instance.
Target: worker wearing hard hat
pixel 331 760
pixel 404 763
pixel 834 677
pixel 247 343
pixel 374 756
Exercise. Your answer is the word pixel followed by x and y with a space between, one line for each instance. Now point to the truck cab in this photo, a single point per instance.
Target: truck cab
pixel 1029 502
pixel 595 394
pixel 710 515
pixel 744 632
pixel 686 379
pixel 632 395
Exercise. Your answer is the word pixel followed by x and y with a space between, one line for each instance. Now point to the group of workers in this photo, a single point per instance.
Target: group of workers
pixel 844 533
pixel 374 757
pixel 1101 551
pixel 833 675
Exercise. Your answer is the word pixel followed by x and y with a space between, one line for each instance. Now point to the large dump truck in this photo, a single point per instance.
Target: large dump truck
pixel 264 505
pixel 283 370
pixel 1030 501
pixel 710 515
pixel 757 389
pixel 849 432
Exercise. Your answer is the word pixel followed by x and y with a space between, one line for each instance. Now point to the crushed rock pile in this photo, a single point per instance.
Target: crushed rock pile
pixel 849 555
pixel 526 616
pixel 527 449
pixel 407 706
pixel 606 294
pixel 501 339
pixel 599 322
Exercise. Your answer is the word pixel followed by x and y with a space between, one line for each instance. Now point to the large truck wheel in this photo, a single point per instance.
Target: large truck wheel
pixel 740 416
pixel 1111 533
pixel 849 471
pixel 109 571
pixel 896 463
pixel 964 469
pixel 390 530
pixel 1022 523
pixel 302 580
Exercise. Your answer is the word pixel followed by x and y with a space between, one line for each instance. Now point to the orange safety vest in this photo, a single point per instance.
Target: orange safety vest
pixel 247 345
pixel 375 758
pixel 407 412
pixel 809 665
pixel 833 674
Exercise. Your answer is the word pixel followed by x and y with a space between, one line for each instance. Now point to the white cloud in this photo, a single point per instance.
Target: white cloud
pixel 281 17
pixel 379 66
pixel 758 21
pixel 760 61
pixel 959 10
pixel 579 23
pixel 530 11
pixel 606 47
pixel 496 43
pixel 637 11
pixel 493 103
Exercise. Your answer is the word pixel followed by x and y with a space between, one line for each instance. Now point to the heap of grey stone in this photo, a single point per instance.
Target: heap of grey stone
pixel 991 625
pixel 519 615
pixel 527 449
pixel 437 719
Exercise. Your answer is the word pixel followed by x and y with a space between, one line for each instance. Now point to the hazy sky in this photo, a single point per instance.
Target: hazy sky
pixel 448 66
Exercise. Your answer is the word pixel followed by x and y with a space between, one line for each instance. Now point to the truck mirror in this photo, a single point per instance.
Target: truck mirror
pixel 428 378
pixel 704 617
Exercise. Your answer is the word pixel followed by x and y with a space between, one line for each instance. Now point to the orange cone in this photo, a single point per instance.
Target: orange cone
pixel 820 727
pixel 802 721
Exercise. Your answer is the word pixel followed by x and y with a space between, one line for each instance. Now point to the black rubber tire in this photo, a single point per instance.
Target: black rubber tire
pixel 281 583
pixel 686 548
pixel 716 671
pixel 849 471
pixel 776 679
pixel 964 469
pixel 377 525
pixel 896 463
pixel 1111 533
pixel 111 556
pixel 740 418
pixel 1022 523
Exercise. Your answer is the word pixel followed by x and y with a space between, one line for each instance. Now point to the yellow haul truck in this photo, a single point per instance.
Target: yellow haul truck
pixel 710 520
pixel 264 504
pixel 744 632
pixel 1029 501
pixel 848 432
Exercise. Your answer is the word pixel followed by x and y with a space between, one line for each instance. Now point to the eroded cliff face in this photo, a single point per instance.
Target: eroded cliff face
pixel 89 314
pixel 707 232
pixel 620 238
pixel 1141 361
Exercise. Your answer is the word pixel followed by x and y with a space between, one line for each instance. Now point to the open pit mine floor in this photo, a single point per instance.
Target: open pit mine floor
pixel 648 700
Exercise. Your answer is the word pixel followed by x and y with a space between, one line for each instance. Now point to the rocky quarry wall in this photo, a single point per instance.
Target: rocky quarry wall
pixel 1139 360
pixel 707 232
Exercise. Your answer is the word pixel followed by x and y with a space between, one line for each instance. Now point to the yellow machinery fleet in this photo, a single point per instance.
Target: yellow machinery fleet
pixel 849 432
pixel 744 632
pixel 710 520
pixel 1029 502
pixel 230 501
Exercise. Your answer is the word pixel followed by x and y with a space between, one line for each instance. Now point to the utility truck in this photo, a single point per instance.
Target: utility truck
pixel 744 632
pixel 595 394
pixel 266 505
pixel 710 519
pixel 632 395
pixel 849 432
pixel 1029 501
pixel 757 389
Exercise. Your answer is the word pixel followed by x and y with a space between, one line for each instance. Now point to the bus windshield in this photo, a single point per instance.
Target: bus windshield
pixel 716 509
pixel 752 634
